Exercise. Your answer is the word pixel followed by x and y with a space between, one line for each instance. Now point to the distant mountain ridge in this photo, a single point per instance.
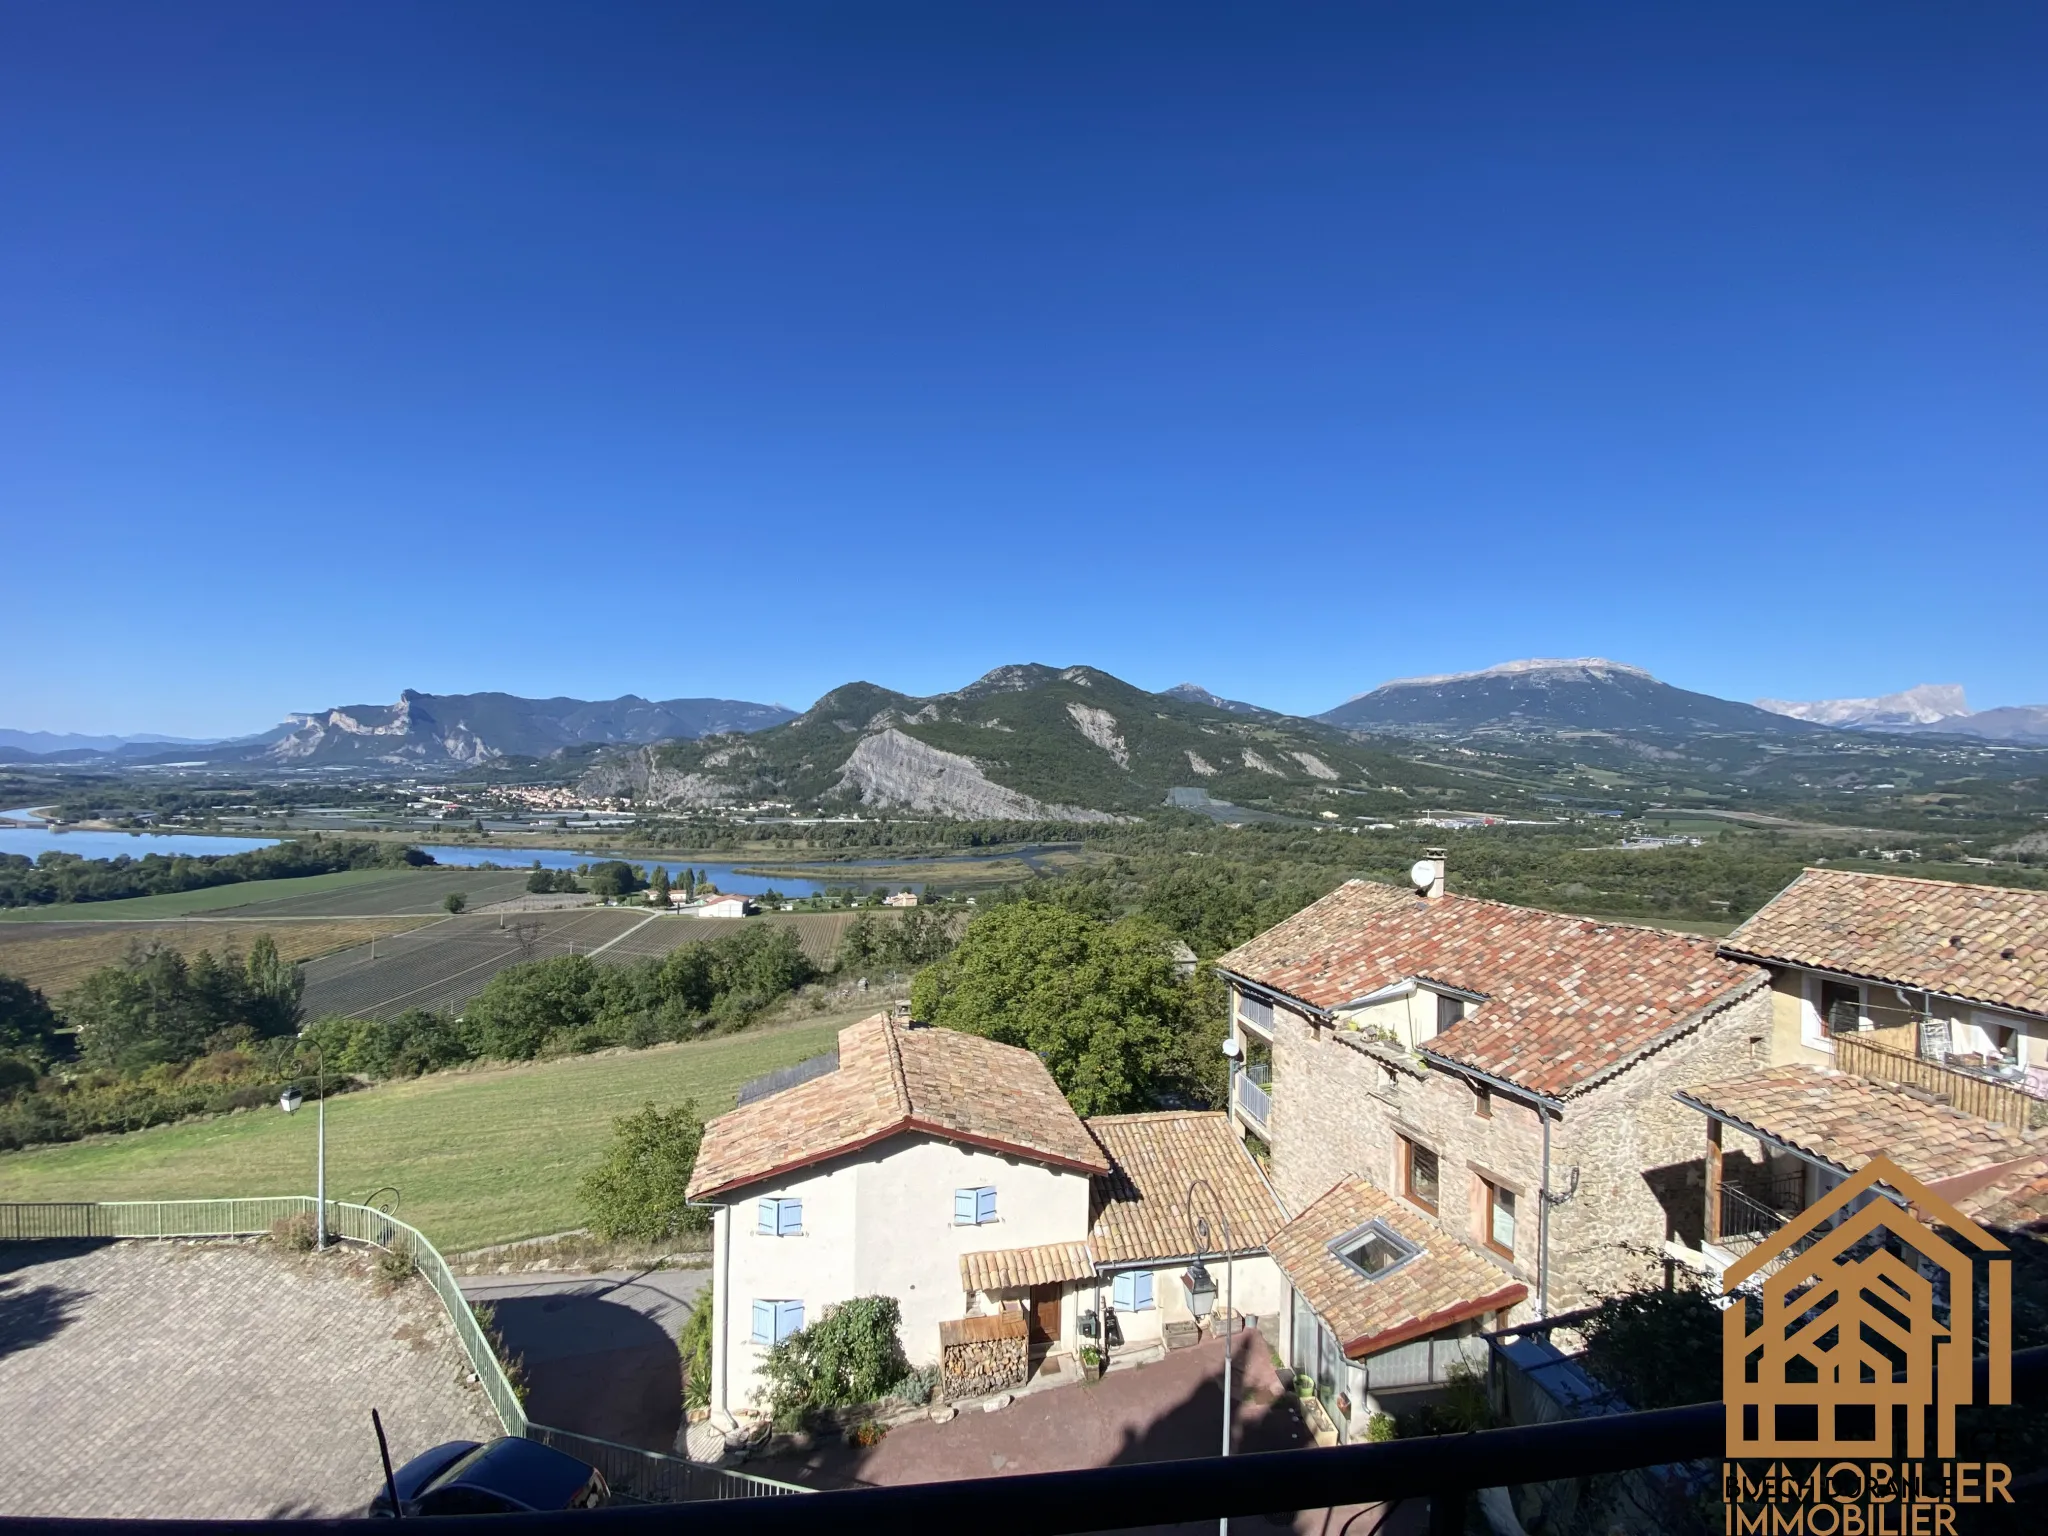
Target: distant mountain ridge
pixel 1025 742
pixel 1922 704
pixel 1544 695
pixel 458 730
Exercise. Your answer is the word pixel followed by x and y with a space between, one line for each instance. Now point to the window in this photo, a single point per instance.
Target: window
pixel 1482 1101
pixel 1500 1219
pixel 1841 1007
pixel 779 1218
pixel 1448 1011
pixel 1132 1291
pixel 1374 1249
pixel 775 1321
pixel 974 1207
pixel 1419 1174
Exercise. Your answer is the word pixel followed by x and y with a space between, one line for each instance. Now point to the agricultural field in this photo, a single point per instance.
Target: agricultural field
pixel 346 893
pixel 443 966
pixel 478 1156
pixel 57 956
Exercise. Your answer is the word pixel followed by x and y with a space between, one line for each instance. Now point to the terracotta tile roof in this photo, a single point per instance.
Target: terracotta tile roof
pixel 1445 1283
pixel 1002 1269
pixel 1981 942
pixel 1141 1205
pixel 2016 1201
pixel 1567 1000
pixel 1848 1120
pixel 891 1079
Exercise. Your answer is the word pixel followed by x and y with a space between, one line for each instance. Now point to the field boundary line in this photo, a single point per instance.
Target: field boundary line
pixel 608 943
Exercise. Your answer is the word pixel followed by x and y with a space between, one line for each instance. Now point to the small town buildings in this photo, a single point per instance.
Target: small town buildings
pixel 901 899
pixel 948 1172
pixel 1504 1075
pixel 1950 974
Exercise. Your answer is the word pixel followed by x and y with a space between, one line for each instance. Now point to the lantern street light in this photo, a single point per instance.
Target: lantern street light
pixel 290 1100
pixel 1202 1296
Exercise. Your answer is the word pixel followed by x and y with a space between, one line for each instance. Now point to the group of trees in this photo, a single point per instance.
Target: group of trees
pixel 918 937
pixel 57 876
pixel 545 882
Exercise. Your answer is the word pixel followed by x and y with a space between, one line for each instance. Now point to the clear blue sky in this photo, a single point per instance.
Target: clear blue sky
pixel 746 350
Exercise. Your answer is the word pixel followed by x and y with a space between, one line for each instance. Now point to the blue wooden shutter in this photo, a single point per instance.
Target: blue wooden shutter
pixel 764 1217
pixel 1141 1292
pixel 984 1205
pixel 963 1207
pixel 764 1322
pixel 789 1217
pixel 1123 1295
pixel 789 1318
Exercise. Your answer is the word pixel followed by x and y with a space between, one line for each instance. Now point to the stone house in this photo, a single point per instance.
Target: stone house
pixel 1951 974
pixel 1503 1075
pixel 948 1172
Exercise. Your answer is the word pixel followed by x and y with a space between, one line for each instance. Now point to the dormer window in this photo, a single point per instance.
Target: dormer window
pixel 1375 1250
pixel 1448 1011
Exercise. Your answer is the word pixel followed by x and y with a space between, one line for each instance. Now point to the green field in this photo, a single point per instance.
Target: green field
pixel 478 1157
pixel 346 893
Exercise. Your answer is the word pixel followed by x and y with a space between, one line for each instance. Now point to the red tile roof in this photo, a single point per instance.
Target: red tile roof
pixel 1982 942
pixel 2016 1201
pixel 1567 1000
pixel 1848 1120
pixel 1141 1204
pixel 1445 1283
pixel 893 1079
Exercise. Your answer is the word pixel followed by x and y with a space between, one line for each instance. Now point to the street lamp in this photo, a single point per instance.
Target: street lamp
pixel 289 1101
pixel 1202 1295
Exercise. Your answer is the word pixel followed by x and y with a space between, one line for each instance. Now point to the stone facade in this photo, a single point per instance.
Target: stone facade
pixel 1342 1107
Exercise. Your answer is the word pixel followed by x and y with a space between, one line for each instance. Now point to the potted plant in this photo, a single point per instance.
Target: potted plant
pixel 1092 1363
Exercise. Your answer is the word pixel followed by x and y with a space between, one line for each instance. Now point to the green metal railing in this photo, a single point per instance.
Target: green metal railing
pixel 642 1476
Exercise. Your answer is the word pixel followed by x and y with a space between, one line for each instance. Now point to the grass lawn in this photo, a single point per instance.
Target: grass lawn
pixel 479 1157
pixel 213 898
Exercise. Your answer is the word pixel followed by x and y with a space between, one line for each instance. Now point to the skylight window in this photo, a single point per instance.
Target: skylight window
pixel 1375 1250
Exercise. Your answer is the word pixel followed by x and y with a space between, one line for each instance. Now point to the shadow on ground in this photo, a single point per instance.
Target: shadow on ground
pixel 32 1314
pixel 595 1367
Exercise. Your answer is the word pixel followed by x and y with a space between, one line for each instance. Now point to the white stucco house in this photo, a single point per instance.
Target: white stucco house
pixel 947 1171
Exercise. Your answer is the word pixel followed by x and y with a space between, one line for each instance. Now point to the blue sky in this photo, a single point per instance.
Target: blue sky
pixel 749 350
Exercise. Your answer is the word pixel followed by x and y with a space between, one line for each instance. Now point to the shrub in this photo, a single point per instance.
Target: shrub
pixel 854 1354
pixel 695 1346
pixel 296 1234
pixel 514 1366
pixel 866 1434
pixel 1656 1348
pixel 918 1387
pixel 1379 1428
pixel 395 1268
pixel 637 1191
pixel 455 901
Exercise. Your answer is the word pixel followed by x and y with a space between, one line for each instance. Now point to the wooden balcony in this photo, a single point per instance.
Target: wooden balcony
pixel 1984 1096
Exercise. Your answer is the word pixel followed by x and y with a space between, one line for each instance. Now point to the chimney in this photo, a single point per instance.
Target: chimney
pixel 1428 874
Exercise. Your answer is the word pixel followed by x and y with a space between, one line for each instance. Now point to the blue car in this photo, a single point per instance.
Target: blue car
pixel 499 1477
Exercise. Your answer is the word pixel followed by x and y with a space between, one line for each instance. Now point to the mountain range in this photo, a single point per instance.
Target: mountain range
pixel 1927 708
pixel 1021 743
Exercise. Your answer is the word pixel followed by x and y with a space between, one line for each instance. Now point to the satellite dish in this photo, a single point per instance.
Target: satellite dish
pixel 1423 875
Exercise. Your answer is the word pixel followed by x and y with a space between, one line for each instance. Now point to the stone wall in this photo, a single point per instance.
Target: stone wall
pixel 1641 1156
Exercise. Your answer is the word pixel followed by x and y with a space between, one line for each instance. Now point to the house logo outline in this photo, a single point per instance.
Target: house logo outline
pixel 1876 1293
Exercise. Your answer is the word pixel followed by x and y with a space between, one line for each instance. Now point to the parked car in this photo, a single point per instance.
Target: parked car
pixel 498 1477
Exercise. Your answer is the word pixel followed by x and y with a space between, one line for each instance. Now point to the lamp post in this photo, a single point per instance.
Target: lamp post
pixel 1202 1295
pixel 289 1101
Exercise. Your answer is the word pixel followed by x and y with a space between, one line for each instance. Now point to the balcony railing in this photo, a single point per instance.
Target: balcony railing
pixel 1987 1099
pixel 1254 1102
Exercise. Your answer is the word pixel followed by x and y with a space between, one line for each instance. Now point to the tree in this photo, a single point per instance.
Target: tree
pixel 523 1004
pixel 28 1025
pixel 612 877
pixel 275 986
pixel 658 892
pixel 689 885
pixel 637 1191
pixel 1099 1003
pixel 455 901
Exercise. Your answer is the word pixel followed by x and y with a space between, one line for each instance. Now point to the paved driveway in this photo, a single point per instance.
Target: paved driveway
pixel 215 1379
pixel 600 1350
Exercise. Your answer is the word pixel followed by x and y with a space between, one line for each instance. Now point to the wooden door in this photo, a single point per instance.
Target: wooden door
pixel 1045 1315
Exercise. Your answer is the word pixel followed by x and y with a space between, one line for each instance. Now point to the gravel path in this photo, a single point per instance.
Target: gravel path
pixel 220 1379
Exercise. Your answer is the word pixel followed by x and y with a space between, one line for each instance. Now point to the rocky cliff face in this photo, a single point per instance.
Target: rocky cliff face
pixel 890 769
pixel 645 777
